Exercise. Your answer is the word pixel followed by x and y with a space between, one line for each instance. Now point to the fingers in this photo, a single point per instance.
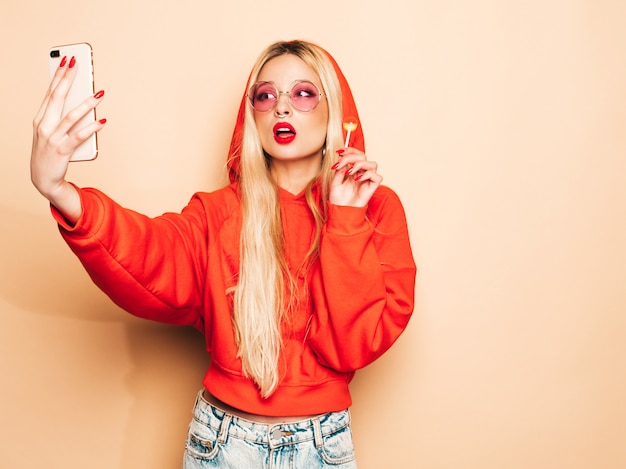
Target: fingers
pixel 56 97
pixel 70 142
pixel 72 117
pixel 57 91
pixel 63 134
pixel 353 163
pixel 355 180
pixel 55 79
pixel 368 175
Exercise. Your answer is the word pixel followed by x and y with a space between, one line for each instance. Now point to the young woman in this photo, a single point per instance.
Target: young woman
pixel 298 273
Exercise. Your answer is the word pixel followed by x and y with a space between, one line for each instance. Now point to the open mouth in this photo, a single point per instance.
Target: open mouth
pixel 284 133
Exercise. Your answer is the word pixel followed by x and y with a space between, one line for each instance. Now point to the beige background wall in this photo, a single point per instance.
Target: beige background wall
pixel 501 124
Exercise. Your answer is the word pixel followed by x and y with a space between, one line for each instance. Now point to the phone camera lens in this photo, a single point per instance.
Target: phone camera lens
pixel 55 53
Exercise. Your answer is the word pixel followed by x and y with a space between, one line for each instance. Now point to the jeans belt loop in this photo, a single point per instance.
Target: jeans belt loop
pixel 317 432
pixel 223 432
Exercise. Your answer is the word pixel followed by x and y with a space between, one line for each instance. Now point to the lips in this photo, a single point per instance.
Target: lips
pixel 284 133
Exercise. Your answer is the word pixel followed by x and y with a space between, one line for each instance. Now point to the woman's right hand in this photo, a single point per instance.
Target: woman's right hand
pixel 55 139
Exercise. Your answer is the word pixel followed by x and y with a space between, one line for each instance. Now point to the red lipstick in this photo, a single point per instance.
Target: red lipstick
pixel 284 133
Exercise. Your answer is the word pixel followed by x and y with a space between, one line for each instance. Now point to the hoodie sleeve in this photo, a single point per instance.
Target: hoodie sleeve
pixel 151 267
pixel 368 276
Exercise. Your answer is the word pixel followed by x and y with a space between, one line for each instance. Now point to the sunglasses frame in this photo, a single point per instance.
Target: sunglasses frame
pixel 250 95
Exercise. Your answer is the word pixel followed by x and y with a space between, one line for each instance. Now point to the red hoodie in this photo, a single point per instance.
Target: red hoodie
pixel 178 269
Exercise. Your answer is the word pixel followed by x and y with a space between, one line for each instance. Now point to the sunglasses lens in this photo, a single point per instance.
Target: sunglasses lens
pixel 263 96
pixel 305 96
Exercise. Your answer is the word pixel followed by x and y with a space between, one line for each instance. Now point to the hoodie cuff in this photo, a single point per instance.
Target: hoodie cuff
pixel 83 224
pixel 345 220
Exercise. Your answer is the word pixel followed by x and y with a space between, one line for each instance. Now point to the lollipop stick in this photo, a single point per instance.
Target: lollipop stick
pixel 347 139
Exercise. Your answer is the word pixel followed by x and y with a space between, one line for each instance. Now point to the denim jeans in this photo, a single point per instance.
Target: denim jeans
pixel 218 439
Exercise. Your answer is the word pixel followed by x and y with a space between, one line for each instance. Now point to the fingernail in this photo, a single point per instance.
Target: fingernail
pixel 99 94
pixel 335 166
pixel 358 176
pixel 72 62
pixel 103 121
pixel 341 151
pixel 63 61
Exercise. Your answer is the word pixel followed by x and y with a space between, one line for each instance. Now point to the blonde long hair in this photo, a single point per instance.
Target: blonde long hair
pixel 266 288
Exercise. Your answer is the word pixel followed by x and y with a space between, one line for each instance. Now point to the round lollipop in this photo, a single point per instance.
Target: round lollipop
pixel 350 124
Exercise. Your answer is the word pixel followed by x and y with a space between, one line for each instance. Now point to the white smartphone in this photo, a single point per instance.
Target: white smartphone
pixel 81 89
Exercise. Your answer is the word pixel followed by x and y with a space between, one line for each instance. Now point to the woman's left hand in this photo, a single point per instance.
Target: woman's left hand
pixel 355 179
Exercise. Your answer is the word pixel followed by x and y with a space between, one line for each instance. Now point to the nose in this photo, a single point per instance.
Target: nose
pixel 283 106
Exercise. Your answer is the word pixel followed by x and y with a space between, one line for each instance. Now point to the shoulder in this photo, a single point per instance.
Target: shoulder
pixel 226 194
pixel 384 198
pixel 384 192
pixel 221 203
pixel 385 210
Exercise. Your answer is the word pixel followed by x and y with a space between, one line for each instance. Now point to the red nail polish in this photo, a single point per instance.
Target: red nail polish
pixel 103 121
pixel 335 166
pixel 99 94
pixel 341 151
pixel 72 62
pixel 358 176
pixel 63 61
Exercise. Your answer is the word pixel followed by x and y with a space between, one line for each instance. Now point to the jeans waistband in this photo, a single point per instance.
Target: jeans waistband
pixel 274 435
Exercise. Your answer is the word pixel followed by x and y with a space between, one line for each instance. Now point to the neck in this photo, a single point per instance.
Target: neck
pixel 294 176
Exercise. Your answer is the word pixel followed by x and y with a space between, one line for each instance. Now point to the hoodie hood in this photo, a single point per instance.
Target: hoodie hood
pixel 348 108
